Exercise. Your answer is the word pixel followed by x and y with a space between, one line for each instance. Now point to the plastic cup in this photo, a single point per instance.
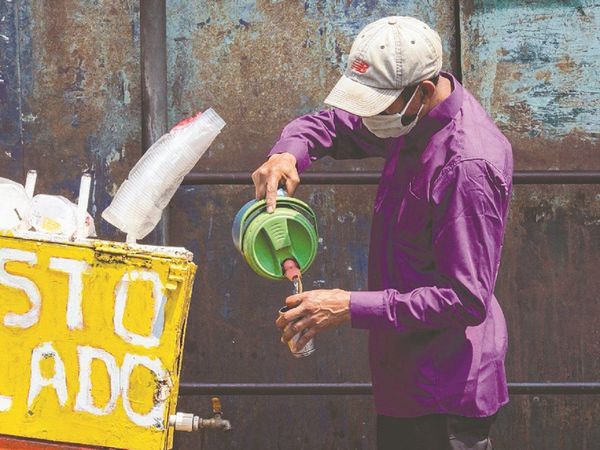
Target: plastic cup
pixel 15 205
pixel 54 214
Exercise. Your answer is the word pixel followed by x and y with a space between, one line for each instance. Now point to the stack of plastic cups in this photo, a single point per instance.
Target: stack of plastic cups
pixel 138 204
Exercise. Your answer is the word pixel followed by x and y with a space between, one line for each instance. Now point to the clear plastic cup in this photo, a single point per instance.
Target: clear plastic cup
pixel 152 182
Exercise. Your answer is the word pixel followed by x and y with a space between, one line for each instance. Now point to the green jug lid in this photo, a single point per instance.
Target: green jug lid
pixel 268 239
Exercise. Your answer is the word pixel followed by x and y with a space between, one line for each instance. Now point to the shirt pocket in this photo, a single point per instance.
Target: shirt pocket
pixel 413 219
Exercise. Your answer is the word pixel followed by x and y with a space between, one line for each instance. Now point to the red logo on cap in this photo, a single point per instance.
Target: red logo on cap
pixel 359 66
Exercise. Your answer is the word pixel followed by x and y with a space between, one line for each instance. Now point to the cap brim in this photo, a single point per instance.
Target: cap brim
pixel 360 99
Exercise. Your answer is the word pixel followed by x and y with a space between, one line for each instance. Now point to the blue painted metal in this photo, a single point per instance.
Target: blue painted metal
pixel 260 64
pixel 534 66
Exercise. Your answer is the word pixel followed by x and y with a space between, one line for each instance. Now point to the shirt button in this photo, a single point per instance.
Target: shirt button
pixel 392 21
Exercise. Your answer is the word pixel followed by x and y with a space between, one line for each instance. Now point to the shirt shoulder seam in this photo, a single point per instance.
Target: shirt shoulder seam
pixel 449 168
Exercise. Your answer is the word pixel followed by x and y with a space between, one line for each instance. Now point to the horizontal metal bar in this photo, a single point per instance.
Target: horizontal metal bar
pixel 573 388
pixel 365 388
pixel 556 177
pixel 276 389
pixel 363 177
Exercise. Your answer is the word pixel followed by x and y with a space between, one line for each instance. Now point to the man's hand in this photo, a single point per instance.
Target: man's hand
pixel 320 309
pixel 279 169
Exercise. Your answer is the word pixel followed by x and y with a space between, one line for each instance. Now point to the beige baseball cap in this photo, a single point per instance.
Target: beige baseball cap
pixel 387 56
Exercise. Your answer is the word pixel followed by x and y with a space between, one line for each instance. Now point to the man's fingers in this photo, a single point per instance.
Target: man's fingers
pixel 278 169
pixel 291 185
pixel 292 315
pixel 310 333
pixel 280 322
pixel 292 180
pixel 259 185
pixel 271 196
pixel 294 300
pixel 294 328
pixel 291 302
pixel 259 191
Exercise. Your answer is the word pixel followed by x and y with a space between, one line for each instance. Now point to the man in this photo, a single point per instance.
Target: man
pixel 437 336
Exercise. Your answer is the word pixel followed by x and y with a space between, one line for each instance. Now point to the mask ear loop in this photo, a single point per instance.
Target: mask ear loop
pixel 401 113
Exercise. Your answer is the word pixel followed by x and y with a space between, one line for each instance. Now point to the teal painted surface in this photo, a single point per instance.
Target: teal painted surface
pixel 534 66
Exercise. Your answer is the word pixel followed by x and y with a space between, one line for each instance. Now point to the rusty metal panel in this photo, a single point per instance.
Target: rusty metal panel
pixel 81 105
pixel 548 423
pixel 548 284
pixel 310 423
pixel 231 335
pixel 534 66
pixel 11 154
pixel 547 287
pixel 260 64
pixel 287 423
pixel 549 291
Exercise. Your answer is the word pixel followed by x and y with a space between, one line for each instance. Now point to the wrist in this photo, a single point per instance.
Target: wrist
pixel 345 299
pixel 288 157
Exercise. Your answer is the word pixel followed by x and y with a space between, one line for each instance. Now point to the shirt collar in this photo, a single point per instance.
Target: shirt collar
pixel 441 114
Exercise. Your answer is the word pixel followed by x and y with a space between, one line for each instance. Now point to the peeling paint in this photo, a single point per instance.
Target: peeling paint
pixel 137 337
pixel 260 64
pixel 532 65
pixel 81 107
pixel 11 156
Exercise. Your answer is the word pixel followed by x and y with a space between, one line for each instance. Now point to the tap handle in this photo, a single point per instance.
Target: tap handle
pixel 216 405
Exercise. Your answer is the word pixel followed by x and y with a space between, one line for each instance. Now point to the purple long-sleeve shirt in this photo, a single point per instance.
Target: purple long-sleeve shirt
pixel 437 336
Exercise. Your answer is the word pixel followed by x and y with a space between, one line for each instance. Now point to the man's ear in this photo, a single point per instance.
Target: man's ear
pixel 427 88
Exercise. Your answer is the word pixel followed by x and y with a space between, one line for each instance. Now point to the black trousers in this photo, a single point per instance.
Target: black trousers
pixel 434 432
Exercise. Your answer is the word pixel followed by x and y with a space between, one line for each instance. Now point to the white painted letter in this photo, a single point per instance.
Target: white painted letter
pixel 32 316
pixel 84 401
pixel 5 403
pixel 58 380
pixel 155 416
pixel 75 269
pixel 158 318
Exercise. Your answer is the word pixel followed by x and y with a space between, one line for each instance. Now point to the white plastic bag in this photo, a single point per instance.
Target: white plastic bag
pixel 54 214
pixel 15 206
pixel 138 204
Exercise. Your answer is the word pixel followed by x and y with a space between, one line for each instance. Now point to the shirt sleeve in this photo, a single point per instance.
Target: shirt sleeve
pixel 333 133
pixel 470 204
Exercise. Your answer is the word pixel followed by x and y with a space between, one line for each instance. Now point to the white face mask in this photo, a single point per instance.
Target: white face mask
pixel 390 125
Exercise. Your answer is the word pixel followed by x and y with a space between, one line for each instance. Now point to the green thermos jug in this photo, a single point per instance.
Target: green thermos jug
pixel 267 240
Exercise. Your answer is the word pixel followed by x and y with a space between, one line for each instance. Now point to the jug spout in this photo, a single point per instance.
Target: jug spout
pixel 291 269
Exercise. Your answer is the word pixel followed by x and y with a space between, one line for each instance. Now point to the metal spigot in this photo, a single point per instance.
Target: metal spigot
pixel 217 420
pixel 190 422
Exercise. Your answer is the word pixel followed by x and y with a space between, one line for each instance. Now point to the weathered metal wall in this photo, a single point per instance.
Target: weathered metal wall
pixel 231 335
pixel 548 288
pixel 533 65
pixel 260 64
pixel 70 101
pixel 70 94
